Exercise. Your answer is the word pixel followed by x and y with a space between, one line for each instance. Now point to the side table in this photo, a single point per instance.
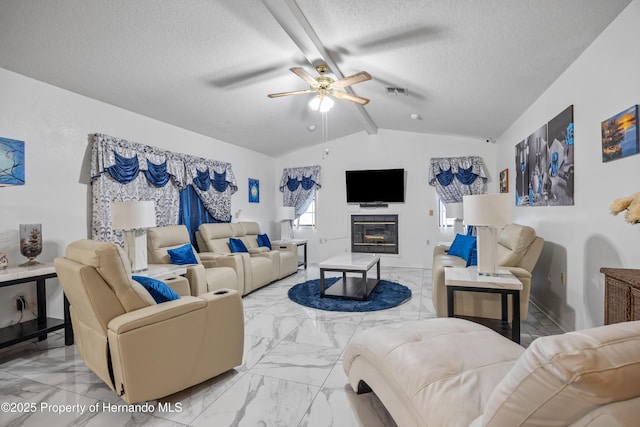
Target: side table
pixel 504 283
pixel 42 325
pixel 621 295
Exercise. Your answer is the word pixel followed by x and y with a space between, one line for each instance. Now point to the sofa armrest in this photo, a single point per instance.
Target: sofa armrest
pixel 197 279
pixel 519 272
pixel 440 250
pixel 179 284
pixel 155 314
pixel 285 247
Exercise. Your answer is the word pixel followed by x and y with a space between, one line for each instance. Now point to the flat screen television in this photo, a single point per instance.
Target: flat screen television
pixel 375 186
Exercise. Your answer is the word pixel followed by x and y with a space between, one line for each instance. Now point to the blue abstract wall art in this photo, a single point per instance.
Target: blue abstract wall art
pixel 11 162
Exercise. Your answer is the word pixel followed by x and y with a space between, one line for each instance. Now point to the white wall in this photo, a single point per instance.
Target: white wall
pixel 55 125
pixel 418 232
pixel 583 238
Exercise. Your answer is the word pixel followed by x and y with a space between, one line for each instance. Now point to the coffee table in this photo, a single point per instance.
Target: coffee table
pixel 355 288
pixel 503 283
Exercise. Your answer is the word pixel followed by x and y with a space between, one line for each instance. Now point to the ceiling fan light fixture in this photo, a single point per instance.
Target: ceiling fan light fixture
pixel 321 103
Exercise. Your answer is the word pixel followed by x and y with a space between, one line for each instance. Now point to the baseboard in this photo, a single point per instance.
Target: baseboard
pixel 550 315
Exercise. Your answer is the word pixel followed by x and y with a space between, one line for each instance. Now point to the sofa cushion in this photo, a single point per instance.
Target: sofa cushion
pixel 513 242
pixel 561 378
pixel 159 290
pixel 462 246
pixel 182 255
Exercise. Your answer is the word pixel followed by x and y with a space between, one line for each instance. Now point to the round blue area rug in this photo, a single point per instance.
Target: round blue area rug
pixel 385 295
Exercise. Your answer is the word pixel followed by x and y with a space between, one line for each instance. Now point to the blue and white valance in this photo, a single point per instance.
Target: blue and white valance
pixel 454 177
pixel 123 170
pixel 299 186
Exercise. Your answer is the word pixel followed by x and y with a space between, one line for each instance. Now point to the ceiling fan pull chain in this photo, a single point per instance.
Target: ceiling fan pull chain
pixel 325 127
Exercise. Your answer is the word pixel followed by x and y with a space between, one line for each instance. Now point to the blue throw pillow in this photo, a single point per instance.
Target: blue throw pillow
pixel 157 288
pixel 237 245
pixel 462 246
pixel 263 241
pixel 182 255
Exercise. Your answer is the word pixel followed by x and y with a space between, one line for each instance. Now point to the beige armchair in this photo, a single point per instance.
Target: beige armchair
pixel 212 271
pixel 140 349
pixel 518 251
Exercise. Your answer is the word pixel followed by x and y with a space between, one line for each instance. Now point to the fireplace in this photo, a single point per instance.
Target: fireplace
pixel 374 234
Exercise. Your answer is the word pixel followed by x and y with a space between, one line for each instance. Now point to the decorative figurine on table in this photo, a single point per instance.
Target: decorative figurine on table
pixel 30 242
pixel 4 262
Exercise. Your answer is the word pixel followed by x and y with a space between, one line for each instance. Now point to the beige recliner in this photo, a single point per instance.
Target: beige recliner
pixel 284 255
pixel 212 271
pixel 140 349
pixel 261 266
pixel 452 372
pixel 518 251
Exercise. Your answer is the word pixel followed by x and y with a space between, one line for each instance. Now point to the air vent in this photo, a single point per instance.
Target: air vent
pixel 397 91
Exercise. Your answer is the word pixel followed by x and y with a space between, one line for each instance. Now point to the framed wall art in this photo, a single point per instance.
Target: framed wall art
pixel 504 181
pixel 11 162
pixel 254 190
pixel 544 164
pixel 620 135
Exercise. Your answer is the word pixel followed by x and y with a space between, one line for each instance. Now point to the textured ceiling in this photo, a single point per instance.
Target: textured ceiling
pixel 470 67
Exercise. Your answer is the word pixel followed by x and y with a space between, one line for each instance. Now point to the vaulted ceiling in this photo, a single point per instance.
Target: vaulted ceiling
pixel 469 67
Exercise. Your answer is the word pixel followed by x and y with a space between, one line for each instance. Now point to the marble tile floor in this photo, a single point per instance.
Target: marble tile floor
pixel 291 376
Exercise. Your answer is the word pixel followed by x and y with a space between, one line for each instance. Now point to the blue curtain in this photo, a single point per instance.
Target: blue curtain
pixel 466 176
pixel 220 181
pixel 125 169
pixel 193 213
pixel 445 177
pixel 157 175
pixel 202 180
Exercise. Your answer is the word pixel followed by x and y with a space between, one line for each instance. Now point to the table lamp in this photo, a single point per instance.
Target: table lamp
pixel 486 212
pixel 134 218
pixel 454 211
pixel 286 214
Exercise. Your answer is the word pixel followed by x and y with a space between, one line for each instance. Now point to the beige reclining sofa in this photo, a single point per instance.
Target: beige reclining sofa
pixel 518 251
pixel 453 372
pixel 261 266
pixel 140 349
pixel 212 271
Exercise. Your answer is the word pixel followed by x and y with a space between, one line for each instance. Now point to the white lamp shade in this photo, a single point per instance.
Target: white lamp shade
pixel 286 213
pixel 454 210
pixel 487 209
pixel 133 214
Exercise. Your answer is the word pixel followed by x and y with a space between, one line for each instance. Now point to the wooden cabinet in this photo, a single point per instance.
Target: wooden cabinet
pixel 621 295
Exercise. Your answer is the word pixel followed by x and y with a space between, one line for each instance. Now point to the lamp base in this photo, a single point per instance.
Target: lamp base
pixel 135 246
pixel 487 244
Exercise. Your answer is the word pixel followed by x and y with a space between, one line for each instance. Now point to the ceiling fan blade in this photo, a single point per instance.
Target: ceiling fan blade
pixel 351 98
pixel 360 77
pixel 295 92
pixel 304 75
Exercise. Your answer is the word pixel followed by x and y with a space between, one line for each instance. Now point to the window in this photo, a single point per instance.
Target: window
pixel 308 218
pixel 443 221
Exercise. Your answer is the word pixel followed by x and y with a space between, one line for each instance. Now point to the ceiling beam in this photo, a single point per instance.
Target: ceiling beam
pixel 290 17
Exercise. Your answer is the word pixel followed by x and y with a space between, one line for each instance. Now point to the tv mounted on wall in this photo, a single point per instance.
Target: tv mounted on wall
pixel 375 186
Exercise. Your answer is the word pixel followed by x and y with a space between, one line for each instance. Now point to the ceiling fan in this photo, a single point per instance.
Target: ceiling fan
pixel 324 85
